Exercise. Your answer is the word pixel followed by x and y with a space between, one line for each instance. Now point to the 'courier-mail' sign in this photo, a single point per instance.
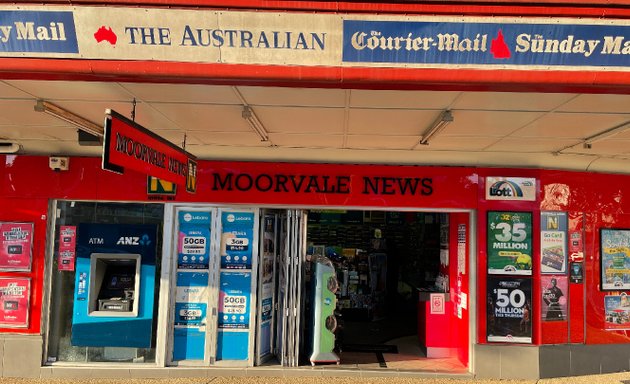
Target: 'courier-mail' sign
pixel 129 145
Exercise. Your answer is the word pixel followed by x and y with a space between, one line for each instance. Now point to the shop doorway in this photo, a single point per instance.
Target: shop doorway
pixel 282 254
pixel 401 293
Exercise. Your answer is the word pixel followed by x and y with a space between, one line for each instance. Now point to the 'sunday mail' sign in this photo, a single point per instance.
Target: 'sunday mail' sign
pixel 36 31
pixel 485 43
pixel 300 39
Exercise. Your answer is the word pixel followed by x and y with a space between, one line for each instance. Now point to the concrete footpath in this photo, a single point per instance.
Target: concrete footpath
pixel 616 378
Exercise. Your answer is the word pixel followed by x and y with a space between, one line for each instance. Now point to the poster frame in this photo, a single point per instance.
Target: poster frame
pixel 8 268
pixel 607 287
pixel 489 241
pixel 518 282
pixel 26 322
pixel 563 228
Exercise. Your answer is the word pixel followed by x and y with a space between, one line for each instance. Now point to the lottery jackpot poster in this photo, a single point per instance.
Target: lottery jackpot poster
pixel 509 310
pixel 509 243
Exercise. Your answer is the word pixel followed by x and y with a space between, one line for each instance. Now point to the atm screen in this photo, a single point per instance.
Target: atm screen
pixel 116 291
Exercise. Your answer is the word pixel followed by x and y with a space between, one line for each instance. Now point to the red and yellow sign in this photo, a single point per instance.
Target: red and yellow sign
pixel 129 145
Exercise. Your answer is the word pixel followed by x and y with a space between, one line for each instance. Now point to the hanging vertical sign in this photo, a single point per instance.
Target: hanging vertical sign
pixel 553 242
pixel 16 246
pixel 67 247
pixel 510 243
pixel 14 302
pixel 236 240
pixel 193 240
pixel 509 311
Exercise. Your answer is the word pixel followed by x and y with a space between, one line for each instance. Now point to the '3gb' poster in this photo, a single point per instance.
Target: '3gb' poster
pixel 509 310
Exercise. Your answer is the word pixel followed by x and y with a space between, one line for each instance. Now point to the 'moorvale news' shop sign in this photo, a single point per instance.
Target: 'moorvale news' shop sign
pixel 270 38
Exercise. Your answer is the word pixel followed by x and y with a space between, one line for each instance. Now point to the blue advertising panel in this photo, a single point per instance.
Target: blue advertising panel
pixel 232 345
pixel 234 300
pixel 189 344
pixel 502 43
pixel 236 240
pixel 99 244
pixel 191 297
pixel 37 31
pixel 193 240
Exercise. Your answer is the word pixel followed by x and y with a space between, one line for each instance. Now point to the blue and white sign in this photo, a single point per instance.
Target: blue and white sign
pixel 465 43
pixel 193 240
pixel 37 31
pixel 192 286
pixel 191 297
pixel 234 300
pixel 189 343
pixel 190 313
pixel 236 240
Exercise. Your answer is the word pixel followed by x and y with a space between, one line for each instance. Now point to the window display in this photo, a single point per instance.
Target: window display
pixel 116 282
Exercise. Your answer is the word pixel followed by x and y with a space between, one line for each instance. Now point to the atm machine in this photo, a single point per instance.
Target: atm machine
pixel 114 285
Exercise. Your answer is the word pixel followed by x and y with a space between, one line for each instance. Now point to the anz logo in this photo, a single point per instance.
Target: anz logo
pixel 134 240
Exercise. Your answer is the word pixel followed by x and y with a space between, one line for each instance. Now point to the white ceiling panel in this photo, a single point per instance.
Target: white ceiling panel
pixel 401 99
pixel 195 94
pixel 60 148
pixel 236 139
pixel 306 97
pixel 441 143
pixel 533 145
pixel 607 147
pixel 396 122
pixel 511 101
pixel 381 142
pixel 483 123
pixel 301 120
pixel 206 117
pixel 570 125
pixel 9 92
pixel 624 134
pixel 73 90
pixel 15 132
pixel 599 104
pixel 307 140
pixel 336 125
pixel 21 113
pixel 177 137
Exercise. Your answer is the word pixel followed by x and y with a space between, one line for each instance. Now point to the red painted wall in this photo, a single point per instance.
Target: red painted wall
pixel 27 185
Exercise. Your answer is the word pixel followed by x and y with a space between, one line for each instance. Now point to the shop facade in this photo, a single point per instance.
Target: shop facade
pixel 585 211
pixel 523 272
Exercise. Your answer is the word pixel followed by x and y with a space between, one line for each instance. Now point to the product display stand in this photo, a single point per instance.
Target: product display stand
pixel 324 304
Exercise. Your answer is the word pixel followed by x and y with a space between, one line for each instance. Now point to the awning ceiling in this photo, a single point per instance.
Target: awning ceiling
pixel 519 129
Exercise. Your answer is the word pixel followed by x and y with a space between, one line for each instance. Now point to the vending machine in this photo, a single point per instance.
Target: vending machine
pixel 114 285
pixel 324 304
